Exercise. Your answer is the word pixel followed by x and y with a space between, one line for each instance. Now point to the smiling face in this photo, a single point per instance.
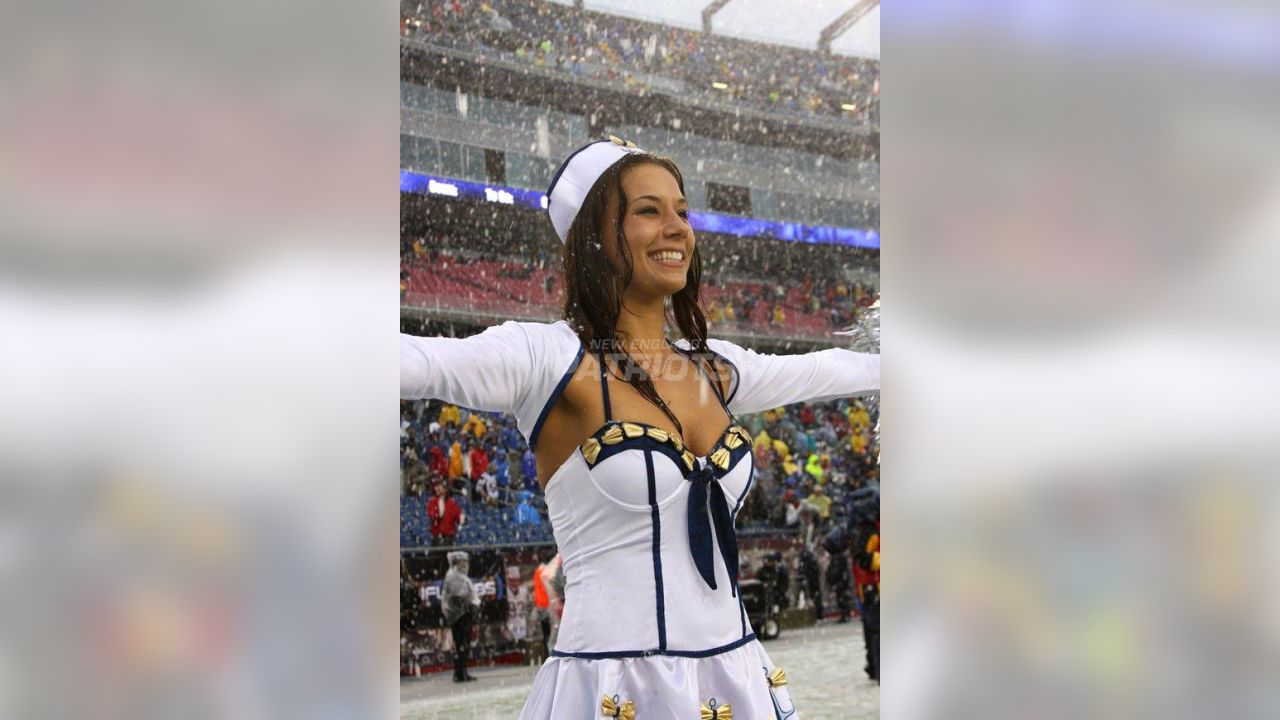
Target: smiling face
pixel 655 224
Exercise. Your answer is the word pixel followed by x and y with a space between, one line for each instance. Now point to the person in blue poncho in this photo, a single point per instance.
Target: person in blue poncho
pixel 529 466
pixel 526 514
pixel 502 472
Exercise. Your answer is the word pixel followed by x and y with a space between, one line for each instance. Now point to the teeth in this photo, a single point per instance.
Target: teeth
pixel 669 256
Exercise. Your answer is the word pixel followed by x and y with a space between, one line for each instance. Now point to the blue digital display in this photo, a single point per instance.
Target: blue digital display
pixel 701 221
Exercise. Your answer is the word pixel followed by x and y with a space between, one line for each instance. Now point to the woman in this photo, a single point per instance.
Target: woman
pixel 638 450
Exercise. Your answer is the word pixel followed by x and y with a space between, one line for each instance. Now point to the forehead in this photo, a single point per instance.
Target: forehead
pixel 650 179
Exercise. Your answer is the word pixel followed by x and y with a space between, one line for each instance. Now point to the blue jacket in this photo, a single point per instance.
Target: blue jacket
pixel 526 515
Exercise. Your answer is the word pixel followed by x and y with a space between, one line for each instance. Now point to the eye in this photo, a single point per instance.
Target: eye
pixel 647 211
pixel 684 214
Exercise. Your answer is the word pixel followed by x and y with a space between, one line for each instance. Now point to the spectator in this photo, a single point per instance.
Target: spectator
pixel 449 416
pixel 529 465
pixel 839 579
pixel 819 501
pixel 775 579
pixel 859 418
pixel 474 425
pixel 479 462
pixel 405 422
pixel 809 574
pixel 455 461
pixel 763 441
pixel 793 508
pixel 438 465
pixel 866 574
pixel 858 441
pixel 502 471
pixel 461 605
pixel 526 513
pixel 813 466
pixel 511 437
pixel 488 489
pixel 445 515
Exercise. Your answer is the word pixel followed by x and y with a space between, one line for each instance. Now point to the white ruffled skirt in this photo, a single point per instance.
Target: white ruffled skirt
pixel 661 687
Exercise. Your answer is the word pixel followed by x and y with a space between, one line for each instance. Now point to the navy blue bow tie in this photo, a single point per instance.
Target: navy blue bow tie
pixel 706 487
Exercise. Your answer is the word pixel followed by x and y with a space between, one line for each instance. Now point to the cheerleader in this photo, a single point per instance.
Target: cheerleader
pixel 631 412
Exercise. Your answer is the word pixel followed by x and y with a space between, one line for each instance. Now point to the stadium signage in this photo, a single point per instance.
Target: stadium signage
pixel 499 196
pixel 436 187
pixel 701 221
pixel 486 589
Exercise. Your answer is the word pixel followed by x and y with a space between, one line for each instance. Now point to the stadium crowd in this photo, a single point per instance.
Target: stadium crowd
pixel 469 477
pixel 768 292
pixel 639 54
pixel 466 478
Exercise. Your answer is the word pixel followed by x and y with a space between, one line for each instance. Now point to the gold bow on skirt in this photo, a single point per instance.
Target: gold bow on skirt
pixel 714 712
pixel 777 677
pixel 611 708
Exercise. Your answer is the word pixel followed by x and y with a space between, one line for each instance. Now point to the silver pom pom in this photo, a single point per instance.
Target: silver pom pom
pixel 864 336
pixel 864 333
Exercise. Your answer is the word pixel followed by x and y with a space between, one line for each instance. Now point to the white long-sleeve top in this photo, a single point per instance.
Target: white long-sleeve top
pixel 520 367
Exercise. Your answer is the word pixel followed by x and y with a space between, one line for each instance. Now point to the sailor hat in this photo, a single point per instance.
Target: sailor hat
pixel 576 177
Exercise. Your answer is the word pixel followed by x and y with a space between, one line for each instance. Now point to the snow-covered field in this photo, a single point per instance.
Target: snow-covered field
pixel 824 670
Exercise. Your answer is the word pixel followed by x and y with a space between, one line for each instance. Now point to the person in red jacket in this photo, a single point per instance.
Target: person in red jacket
pixel 479 463
pixel 446 517
pixel 439 465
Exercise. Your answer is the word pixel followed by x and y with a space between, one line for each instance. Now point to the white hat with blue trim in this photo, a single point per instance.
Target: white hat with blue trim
pixel 577 175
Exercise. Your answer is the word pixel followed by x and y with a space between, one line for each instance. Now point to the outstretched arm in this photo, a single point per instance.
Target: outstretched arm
pixel 488 372
pixel 770 381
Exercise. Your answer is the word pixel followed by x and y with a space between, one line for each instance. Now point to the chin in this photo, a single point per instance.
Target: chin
pixel 673 288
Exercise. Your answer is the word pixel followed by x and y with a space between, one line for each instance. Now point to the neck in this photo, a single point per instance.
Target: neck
pixel 643 324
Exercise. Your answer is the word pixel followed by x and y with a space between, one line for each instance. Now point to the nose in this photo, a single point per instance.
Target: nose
pixel 674 225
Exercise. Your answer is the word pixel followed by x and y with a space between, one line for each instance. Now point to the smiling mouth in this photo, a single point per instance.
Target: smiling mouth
pixel 670 258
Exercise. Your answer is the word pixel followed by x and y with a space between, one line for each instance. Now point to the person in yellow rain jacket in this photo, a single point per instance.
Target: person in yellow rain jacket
pixel 455 461
pixel 858 441
pixel 789 466
pixel 762 440
pixel 449 416
pixel 820 502
pixel 474 425
pixel 859 418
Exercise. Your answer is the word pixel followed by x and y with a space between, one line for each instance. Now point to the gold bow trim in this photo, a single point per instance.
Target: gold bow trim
pixel 611 708
pixel 713 712
pixel 777 678
pixel 617 432
pixel 720 459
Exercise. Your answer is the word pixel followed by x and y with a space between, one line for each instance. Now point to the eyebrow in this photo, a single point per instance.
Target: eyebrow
pixel 655 198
